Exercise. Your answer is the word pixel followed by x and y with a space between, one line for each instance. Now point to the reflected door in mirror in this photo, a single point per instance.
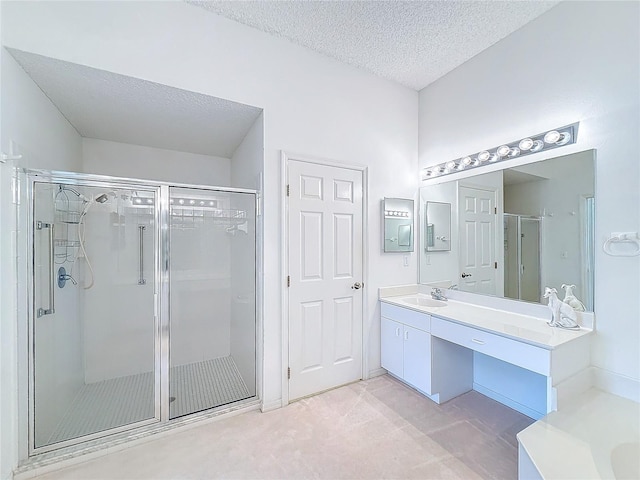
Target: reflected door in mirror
pixel 477 240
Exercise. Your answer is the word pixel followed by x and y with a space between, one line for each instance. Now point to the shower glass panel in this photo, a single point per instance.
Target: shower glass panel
pixel 212 299
pixel 94 333
pixel 530 259
pixel 522 257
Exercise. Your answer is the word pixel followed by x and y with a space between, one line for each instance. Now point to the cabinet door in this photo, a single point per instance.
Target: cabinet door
pixel 391 346
pixel 417 358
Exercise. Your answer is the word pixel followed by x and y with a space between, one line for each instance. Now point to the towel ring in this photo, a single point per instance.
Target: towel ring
pixel 622 238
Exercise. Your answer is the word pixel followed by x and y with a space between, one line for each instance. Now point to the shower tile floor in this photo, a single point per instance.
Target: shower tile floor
pixel 372 429
pixel 124 400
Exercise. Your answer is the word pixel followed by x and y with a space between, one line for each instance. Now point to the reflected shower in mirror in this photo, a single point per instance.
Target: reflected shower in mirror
pixel 515 231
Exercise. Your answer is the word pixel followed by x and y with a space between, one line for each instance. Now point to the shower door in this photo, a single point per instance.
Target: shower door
pixel 212 298
pixel 522 252
pixel 94 334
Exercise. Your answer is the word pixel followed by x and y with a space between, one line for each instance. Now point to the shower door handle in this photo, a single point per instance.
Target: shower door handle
pixel 52 276
pixel 141 280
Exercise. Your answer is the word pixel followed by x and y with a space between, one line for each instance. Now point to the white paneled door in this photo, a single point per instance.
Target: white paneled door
pixel 325 276
pixel 478 267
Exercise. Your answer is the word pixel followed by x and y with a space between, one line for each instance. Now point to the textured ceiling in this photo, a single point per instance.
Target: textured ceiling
pixel 410 42
pixel 118 108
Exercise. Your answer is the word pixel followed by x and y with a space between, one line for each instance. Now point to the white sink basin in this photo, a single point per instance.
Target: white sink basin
pixel 424 301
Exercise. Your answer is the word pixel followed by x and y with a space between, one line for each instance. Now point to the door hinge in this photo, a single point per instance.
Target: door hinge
pixel 288 280
pixel 495 210
pixel 288 190
pixel 288 373
pixel 495 265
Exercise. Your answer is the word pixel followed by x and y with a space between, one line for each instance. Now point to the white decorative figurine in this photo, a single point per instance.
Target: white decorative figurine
pixel 570 298
pixel 562 315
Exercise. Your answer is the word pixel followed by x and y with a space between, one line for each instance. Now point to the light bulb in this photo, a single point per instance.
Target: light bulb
pixel 552 137
pixel 451 165
pixel 202 202
pixel 515 151
pixel 466 161
pixel 484 156
pixel 559 139
pixel 192 202
pixel 461 165
pixel 525 144
pixel 537 146
pixel 181 201
pixel 503 151
pixel 171 201
pixel 211 204
pixel 138 201
pixel 149 201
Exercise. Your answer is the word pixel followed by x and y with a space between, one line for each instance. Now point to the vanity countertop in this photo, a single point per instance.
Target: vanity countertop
pixel 524 328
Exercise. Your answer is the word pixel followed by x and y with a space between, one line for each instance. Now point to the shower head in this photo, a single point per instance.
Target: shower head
pixel 102 198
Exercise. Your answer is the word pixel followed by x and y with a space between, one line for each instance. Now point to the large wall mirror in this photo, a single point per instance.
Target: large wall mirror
pixel 517 230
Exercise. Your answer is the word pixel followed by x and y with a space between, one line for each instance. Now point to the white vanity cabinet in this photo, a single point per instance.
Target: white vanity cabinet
pixel 441 370
pixel 406 346
pixel 446 350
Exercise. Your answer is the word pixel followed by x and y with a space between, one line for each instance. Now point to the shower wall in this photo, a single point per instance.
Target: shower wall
pixel 243 294
pixel 117 304
pixel 246 165
pixel 200 289
pixel 194 290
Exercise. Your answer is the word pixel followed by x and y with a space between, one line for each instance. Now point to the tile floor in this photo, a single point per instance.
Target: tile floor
pixel 368 430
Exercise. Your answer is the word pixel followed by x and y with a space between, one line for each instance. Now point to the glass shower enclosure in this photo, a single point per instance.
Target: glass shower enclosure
pixel 522 252
pixel 141 304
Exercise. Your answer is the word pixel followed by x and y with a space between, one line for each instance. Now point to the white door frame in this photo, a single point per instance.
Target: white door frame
pixel 284 236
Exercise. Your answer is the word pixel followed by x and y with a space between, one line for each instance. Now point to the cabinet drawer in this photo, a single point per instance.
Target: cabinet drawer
pixel 414 319
pixel 517 353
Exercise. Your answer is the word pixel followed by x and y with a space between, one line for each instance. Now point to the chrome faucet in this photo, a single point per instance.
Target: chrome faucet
pixel 437 294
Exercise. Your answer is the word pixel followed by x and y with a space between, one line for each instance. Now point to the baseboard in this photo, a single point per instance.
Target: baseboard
pixel 616 384
pixel 377 372
pixel 508 402
pixel 272 405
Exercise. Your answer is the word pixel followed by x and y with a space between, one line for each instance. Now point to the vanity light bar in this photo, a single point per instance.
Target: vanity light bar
pixel 519 148
pixel 396 214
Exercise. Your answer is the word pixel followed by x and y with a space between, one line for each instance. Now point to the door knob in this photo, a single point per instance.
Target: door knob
pixel 357 286
pixel 465 275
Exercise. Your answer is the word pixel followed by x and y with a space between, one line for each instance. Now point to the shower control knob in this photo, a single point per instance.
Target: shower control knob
pixel 465 275
pixel 357 286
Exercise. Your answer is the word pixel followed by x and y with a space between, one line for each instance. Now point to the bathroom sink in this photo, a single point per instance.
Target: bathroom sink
pixel 424 302
pixel 624 460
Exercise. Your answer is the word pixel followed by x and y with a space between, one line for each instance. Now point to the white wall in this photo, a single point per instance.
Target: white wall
pixel 313 105
pixel 595 81
pixel 247 161
pixel 136 161
pixel 33 127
